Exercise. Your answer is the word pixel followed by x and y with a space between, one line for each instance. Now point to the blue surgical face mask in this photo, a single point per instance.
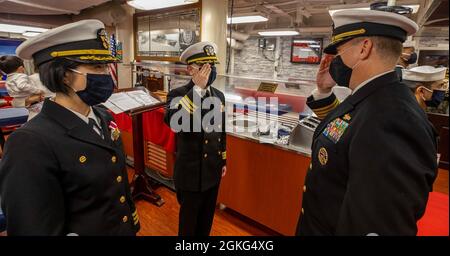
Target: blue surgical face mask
pixel 99 87
pixel 436 98
pixel 411 58
pixel 212 76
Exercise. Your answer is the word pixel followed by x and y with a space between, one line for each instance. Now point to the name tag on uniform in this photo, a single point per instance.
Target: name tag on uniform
pixel 335 129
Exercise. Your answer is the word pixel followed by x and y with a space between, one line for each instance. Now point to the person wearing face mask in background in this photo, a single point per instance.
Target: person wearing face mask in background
pixel 64 172
pixel 426 83
pixel 373 159
pixel 408 57
pixel 201 154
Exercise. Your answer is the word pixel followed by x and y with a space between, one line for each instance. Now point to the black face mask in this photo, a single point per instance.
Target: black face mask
pixel 212 76
pixel 436 99
pixel 412 58
pixel 340 72
pixel 99 88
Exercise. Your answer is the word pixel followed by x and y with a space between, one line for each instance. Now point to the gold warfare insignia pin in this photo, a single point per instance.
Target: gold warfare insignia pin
pixel 323 156
pixel 347 117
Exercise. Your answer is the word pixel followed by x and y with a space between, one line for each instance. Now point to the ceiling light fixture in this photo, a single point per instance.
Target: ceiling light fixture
pixel 278 33
pixel 20 29
pixel 158 4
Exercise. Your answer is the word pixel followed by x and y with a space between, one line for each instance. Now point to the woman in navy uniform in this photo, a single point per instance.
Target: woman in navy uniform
pixel 374 154
pixel 201 149
pixel 64 171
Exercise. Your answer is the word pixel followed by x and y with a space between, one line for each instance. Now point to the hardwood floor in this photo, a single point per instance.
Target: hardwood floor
pixel 441 183
pixel 163 221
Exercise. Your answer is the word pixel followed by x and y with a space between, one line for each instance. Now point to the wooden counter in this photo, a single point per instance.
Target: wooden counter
pixel 264 183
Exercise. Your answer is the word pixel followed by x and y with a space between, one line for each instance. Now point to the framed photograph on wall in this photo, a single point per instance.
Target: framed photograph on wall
pixel 164 34
pixel 306 51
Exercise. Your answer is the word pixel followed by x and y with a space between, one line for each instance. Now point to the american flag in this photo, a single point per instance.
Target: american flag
pixel 113 66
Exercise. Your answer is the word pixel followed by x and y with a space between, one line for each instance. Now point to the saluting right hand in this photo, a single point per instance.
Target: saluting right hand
pixel 324 81
pixel 201 77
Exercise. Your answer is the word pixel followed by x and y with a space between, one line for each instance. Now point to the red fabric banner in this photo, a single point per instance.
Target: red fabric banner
pixel 155 130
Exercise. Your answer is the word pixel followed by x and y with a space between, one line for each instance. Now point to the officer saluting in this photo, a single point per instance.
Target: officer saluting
pixel 64 171
pixel 201 152
pixel 373 155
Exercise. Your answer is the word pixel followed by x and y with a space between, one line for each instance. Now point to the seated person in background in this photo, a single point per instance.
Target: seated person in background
pixel 426 83
pixel 25 92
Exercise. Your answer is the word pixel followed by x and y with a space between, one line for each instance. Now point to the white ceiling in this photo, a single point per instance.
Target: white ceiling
pixel 46 7
pixel 300 14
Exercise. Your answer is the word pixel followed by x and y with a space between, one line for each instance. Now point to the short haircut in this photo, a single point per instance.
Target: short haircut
pixel 52 74
pixel 9 63
pixel 389 49
pixel 413 85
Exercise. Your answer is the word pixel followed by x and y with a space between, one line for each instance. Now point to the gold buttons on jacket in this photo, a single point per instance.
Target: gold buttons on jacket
pixel 114 159
pixel 304 189
pixel 218 139
pixel 122 199
pixel 218 152
pixel 206 141
pixel 125 219
pixel 119 179
pixel 205 155
pixel 83 159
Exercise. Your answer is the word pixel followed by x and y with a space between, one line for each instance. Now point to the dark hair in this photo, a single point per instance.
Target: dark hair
pixel 9 63
pixel 52 74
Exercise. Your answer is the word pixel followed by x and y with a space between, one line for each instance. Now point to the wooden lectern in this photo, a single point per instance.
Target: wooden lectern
pixel 141 187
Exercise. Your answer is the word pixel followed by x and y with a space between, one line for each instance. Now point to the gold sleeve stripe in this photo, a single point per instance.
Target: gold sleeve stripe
pixel 190 102
pixel 136 222
pixel 184 105
pixel 328 109
pixel 224 155
pixel 193 107
pixel 321 116
pixel 134 213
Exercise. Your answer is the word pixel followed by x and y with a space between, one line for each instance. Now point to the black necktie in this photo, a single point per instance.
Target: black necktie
pixel 94 124
pixel 206 95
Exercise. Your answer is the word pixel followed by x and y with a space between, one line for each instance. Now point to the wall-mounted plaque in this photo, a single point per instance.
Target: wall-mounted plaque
pixel 165 34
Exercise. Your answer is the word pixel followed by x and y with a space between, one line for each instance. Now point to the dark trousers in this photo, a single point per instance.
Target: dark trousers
pixel 196 212
pixel 2 139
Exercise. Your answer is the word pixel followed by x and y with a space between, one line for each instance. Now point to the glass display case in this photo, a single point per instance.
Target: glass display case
pixel 264 110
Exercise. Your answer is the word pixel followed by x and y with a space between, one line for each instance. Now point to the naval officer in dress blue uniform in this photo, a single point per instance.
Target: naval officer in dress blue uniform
pixel 201 148
pixel 64 171
pixel 374 154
